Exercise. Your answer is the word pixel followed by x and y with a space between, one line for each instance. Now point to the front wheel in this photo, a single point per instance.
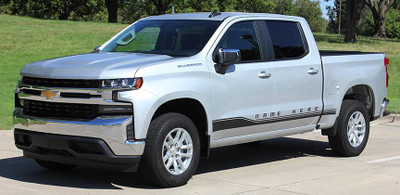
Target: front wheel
pixel 352 130
pixel 172 151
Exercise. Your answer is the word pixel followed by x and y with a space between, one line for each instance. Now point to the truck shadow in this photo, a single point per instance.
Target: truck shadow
pixel 26 170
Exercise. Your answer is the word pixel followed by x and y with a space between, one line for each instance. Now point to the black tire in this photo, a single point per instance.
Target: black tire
pixel 55 166
pixel 152 166
pixel 340 142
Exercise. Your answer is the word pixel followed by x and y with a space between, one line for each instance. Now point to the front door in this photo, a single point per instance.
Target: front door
pixel 243 94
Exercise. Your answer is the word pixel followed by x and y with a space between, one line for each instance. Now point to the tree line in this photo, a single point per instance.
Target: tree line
pixel 377 18
pixel 127 11
pixel 380 17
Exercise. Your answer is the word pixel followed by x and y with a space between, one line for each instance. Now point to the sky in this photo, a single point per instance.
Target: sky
pixel 323 5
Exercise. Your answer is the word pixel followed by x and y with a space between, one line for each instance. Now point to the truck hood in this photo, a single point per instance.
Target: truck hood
pixel 93 66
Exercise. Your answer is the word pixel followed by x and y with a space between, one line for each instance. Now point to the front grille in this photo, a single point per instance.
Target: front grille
pixel 68 83
pixel 62 94
pixel 60 110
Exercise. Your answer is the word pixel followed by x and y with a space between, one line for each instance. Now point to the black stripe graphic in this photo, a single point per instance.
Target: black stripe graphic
pixel 236 122
pixel 329 111
pixel 244 122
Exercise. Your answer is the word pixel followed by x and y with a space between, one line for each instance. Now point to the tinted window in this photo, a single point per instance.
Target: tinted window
pixel 169 37
pixel 286 39
pixel 242 36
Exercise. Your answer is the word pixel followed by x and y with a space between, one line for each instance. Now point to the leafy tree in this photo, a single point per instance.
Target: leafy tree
pixel 187 6
pixel 285 7
pixel 226 5
pixel 311 11
pixel 379 9
pixel 392 23
pixel 57 9
pixel 354 10
pixel 161 6
pixel 257 6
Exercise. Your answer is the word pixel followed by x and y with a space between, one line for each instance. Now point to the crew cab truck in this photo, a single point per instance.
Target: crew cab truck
pixel 167 89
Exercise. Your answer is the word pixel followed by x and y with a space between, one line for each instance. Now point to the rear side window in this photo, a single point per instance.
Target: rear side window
pixel 242 36
pixel 286 39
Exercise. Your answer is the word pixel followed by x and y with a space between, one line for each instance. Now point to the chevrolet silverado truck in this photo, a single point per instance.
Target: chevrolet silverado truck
pixel 167 89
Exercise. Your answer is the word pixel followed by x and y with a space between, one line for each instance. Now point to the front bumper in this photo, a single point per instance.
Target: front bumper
pixel 72 150
pixel 110 129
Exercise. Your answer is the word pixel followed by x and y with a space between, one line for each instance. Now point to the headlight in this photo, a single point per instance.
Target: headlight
pixel 129 83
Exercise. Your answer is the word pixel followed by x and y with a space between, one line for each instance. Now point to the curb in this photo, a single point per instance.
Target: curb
pixel 392 119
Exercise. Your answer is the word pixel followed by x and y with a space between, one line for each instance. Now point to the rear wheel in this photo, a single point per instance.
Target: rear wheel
pixel 55 165
pixel 172 151
pixel 352 130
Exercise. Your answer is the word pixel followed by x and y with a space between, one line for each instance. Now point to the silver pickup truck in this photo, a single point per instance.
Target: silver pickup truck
pixel 167 89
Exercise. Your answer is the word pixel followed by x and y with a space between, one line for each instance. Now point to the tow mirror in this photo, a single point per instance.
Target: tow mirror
pixel 227 56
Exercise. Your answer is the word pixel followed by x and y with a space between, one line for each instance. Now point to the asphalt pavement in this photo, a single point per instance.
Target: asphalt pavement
pixel 301 164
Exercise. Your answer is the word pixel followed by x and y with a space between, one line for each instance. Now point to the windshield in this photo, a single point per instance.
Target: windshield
pixel 168 37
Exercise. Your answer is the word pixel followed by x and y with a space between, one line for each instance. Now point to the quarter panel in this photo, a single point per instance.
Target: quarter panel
pixel 343 72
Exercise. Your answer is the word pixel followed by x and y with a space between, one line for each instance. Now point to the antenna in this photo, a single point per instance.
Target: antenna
pixel 214 13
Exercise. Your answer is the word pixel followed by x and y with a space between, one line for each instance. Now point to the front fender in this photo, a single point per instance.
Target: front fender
pixel 146 104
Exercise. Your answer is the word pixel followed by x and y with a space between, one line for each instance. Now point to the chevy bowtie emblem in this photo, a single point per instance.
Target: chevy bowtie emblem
pixel 49 94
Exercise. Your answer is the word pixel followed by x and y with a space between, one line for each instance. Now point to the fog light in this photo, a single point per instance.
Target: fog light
pixel 108 109
pixel 22 140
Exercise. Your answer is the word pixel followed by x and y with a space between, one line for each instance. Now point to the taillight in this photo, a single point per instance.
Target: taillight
pixel 386 61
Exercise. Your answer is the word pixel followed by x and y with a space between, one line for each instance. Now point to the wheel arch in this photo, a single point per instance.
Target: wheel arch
pixel 195 111
pixel 360 92
pixel 364 94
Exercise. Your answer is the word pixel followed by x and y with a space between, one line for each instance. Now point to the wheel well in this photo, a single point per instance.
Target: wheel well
pixel 194 110
pixel 364 94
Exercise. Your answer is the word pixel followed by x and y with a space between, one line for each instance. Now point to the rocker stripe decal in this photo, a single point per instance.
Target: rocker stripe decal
pixel 329 111
pixel 236 122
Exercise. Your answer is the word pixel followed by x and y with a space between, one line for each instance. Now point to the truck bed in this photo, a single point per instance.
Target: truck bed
pixel 344 69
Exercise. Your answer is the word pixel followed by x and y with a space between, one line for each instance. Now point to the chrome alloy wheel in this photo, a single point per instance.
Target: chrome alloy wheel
pixel 356 129
pixel 177 151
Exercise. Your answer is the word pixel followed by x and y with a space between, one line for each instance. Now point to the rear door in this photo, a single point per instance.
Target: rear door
pixel 297 76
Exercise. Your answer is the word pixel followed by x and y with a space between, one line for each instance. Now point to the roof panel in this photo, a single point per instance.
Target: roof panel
pixel 205 16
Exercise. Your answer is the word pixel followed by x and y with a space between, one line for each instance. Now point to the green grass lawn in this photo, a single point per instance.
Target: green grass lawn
pixel 24 40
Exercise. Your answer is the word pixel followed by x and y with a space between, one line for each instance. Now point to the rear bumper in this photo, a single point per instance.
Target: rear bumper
pixel 382 112
pixel 72 150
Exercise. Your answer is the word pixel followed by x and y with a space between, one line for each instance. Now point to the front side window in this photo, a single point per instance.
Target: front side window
pixel 242 36
pixel 286 39
pixel 167 37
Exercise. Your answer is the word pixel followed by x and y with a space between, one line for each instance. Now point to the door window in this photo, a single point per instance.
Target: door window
pixel 286 39
pixel 242 36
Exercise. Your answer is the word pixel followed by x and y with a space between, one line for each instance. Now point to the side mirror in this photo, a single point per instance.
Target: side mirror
pixel 96 49
pixel 228 56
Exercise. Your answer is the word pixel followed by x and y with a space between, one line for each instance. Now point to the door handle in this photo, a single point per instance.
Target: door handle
pixel 312 71
pixel 264 75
